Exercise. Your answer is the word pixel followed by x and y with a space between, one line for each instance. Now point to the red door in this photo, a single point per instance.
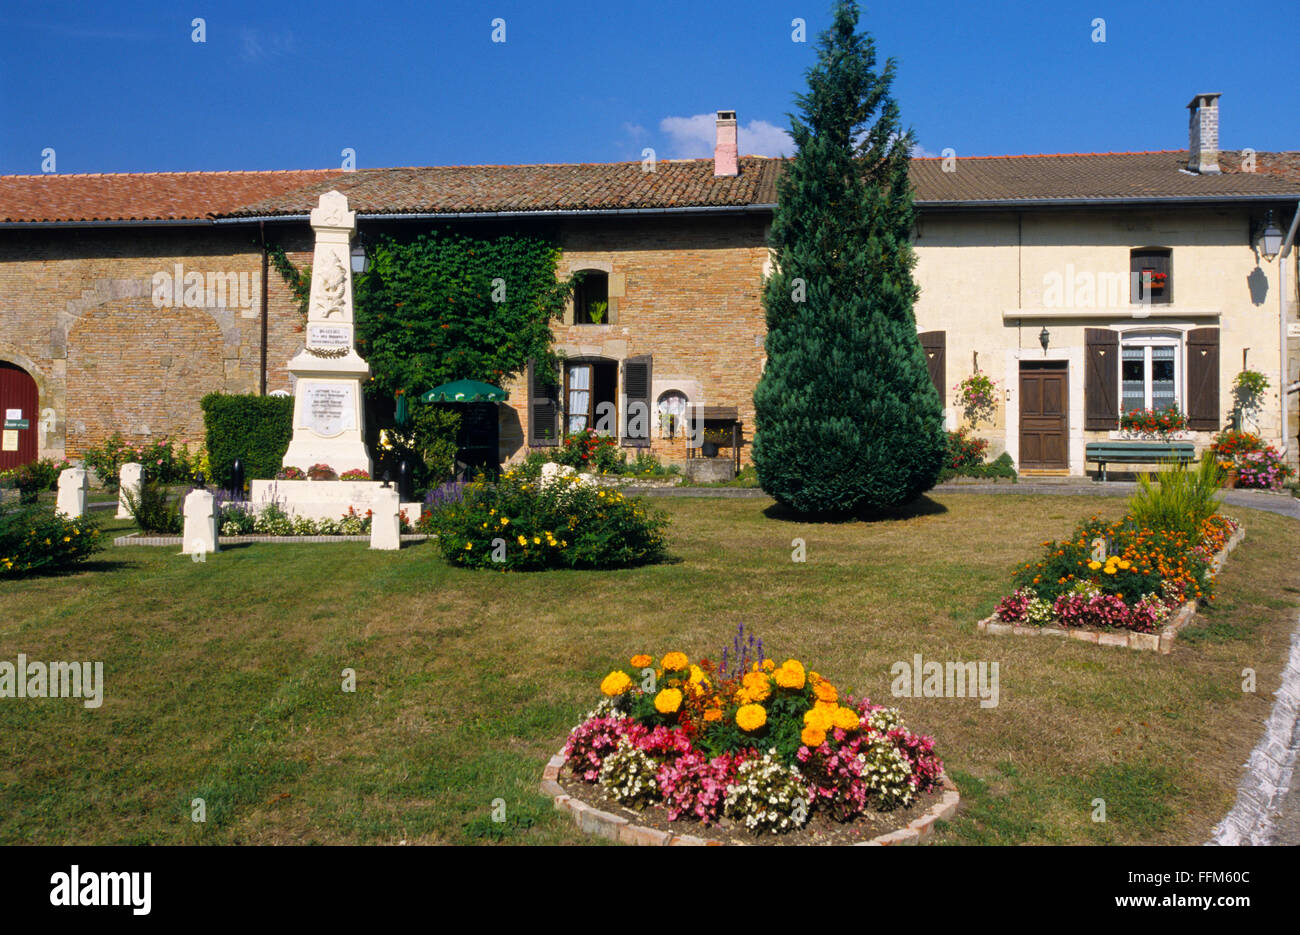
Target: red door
pixel 17 404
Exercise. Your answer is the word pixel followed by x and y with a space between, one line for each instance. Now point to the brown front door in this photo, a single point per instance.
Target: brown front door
pixel 1042 416
pixel 17 405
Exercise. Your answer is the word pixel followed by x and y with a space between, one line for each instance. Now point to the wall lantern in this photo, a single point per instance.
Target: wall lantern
pixel 1270 237
pixel 1043 338
pixel 360 262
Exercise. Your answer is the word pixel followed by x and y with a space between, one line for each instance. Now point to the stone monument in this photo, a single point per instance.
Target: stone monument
pixel 200 535
pixel 328 410
pixel 328 407
pixel 72 493
pixel 385 522
pixel 128 483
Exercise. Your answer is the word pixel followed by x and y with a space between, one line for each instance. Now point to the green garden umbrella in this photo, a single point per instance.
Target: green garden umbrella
pixel 402 417
pixel 465 391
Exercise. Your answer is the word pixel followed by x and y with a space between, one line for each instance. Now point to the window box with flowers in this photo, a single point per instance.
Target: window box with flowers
pixel 1166 424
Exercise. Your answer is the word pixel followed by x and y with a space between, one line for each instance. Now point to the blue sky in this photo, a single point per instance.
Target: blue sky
pixel 123 87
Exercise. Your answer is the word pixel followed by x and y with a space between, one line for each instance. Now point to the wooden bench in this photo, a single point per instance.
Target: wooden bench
pixel 1137 453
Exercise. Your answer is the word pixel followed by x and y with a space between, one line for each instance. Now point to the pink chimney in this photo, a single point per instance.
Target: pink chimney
pixel 725 153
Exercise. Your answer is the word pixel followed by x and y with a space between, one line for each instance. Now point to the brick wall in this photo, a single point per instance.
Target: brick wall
pixel 691 296
pixel 77 312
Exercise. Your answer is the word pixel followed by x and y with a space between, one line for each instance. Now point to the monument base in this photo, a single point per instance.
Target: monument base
pixel 324 499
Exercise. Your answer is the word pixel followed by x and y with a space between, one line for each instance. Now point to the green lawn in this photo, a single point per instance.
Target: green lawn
pixel 223 678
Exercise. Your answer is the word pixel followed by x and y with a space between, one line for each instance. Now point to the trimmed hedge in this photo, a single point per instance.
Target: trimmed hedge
pixel 255 429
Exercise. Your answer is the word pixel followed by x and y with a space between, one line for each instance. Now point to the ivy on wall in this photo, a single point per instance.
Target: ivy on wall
pixel 446 306
pixel 299 282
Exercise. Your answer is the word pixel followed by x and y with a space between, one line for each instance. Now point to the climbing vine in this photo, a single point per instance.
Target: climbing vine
pixel 446 306
pixel 299 282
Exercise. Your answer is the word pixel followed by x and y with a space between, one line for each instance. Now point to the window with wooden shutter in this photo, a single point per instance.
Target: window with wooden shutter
pixel 1100 379
pixel 543 409
pixel 636 391
pixel 1153 269
pixel 1203 379
pixel 934 344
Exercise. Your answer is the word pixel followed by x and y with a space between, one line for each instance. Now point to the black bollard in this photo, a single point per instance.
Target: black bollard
pixel 237 479
pixel 405 490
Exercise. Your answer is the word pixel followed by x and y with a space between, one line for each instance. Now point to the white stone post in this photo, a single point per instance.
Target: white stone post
pixel 128 483
pixel 72 493
pixel 385 520
pixel 200 534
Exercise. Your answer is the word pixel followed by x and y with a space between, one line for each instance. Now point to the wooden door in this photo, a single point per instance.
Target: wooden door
pixel 17 403
pixel 1043 436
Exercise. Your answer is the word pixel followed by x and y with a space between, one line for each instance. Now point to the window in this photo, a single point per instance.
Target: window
pixel 591 396
pixel 672 413
pixel 1151 275
pixel 1150 372
pixel 591 298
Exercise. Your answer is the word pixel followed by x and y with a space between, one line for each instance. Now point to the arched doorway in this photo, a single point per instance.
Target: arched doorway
pixel 18 400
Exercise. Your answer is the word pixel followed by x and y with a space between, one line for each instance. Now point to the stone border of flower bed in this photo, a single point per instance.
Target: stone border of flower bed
pixel 617 828
pixel 1163 642
pixel 136 538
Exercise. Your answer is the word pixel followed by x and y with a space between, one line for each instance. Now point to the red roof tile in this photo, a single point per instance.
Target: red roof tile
pixel 143 196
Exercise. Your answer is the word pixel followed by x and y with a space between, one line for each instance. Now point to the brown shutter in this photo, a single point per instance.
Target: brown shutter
pixel 636 390
pixel 542 410
pixel 934 344
pixel 1203 379
pixel 1100 379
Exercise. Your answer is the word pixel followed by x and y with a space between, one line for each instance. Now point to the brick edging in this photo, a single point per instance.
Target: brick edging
pixel 136 539
pixel 1162 642
pixel 617 828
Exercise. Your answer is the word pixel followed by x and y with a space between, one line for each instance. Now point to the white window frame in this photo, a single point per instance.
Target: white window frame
pixel 1147 340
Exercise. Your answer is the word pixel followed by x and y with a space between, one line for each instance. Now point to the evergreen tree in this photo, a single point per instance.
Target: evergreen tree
pixel 847 418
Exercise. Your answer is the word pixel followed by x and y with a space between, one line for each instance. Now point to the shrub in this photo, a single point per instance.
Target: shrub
pixel 162 460
pixel 1183 500
pixel 255 429
pixel 588 450
pixel 518 524
pixel 964 451
pixel 153 509
pixel 38 539
pixel 35 476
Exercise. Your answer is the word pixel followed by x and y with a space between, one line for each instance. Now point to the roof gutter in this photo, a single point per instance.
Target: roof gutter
pixel 556 212
pixel 191 222
pixel 1106 202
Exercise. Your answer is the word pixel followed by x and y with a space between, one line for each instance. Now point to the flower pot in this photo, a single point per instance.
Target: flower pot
pixel 1230 479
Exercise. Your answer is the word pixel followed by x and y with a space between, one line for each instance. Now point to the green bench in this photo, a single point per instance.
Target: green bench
pixel 1137 453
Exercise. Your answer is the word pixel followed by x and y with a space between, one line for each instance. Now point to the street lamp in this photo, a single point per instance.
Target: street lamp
pixel 360 262
pixel 1270 238
pixel 1043 338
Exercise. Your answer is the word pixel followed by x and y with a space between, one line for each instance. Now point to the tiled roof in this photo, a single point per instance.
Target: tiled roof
pixel 151 196
pixel 978 180
pixel 1086 177
pixel 579 187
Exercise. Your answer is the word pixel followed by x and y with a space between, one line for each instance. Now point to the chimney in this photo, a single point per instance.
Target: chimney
pixel 1203 135
pixel 725 155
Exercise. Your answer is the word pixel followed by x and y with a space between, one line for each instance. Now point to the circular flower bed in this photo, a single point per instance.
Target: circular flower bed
pixel 755 749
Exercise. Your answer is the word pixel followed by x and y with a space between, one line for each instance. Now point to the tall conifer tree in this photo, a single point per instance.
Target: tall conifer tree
pixel 847 418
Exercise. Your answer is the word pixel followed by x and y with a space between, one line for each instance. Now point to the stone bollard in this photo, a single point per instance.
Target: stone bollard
pixel 128 483
pixel 72 493
pixel 385 522
pixel 200 536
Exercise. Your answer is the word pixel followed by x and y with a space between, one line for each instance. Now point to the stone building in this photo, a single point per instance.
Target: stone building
pixel 124 299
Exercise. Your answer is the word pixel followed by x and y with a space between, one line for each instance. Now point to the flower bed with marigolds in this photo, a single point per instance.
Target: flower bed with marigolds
pixel 1116 576
pixel 36 538
pixel 760 747
pixel 524 522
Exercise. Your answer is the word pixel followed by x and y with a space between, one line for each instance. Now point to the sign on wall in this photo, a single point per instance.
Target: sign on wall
pixel 328 409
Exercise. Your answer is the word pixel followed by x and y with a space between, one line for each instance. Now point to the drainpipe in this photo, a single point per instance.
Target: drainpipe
pixel 261 228
pixel 1283 389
